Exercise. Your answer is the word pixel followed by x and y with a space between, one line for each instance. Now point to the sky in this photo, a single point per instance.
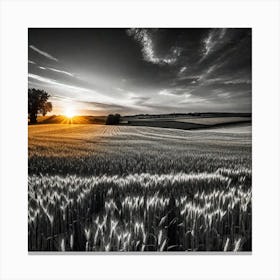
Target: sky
pixel 142 71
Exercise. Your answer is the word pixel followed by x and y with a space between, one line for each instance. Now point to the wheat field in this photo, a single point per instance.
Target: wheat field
pixel 120 188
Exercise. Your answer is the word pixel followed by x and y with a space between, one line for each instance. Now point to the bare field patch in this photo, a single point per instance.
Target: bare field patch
pixel 213 121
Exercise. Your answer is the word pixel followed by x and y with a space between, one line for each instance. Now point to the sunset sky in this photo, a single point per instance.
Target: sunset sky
pixel 132 71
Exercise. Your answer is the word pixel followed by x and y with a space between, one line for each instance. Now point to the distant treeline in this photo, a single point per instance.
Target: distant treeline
pixel 205 114
pixel 113 119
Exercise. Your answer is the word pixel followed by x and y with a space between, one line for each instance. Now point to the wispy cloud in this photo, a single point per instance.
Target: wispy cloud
pixel 31 62
pixel 214 38
pixel 56 70
pixel 78 92
pixel 175 91
pixel 43 53
pixel 144 37
pixel 56 83
pixel 61 71
pixel 183 69
pixel 165 92
pixel 207 72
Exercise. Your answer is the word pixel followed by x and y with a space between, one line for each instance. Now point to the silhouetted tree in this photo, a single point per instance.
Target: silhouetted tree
pixel 113 119
pixel 46 108
pixel 38 103
pixel 117 118
pixel 110 119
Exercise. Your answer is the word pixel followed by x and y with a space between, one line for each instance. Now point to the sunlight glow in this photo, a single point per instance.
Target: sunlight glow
pixel 69 112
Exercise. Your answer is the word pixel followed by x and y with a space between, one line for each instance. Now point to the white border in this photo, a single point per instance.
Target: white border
pixel 262 16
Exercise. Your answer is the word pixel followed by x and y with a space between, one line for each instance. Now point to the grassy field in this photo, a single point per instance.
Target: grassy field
pixel 132 188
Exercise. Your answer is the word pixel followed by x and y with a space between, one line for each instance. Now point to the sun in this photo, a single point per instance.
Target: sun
pixel 69 113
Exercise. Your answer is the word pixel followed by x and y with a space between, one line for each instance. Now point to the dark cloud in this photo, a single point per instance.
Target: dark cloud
pixel 145 70
pixel 105 106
